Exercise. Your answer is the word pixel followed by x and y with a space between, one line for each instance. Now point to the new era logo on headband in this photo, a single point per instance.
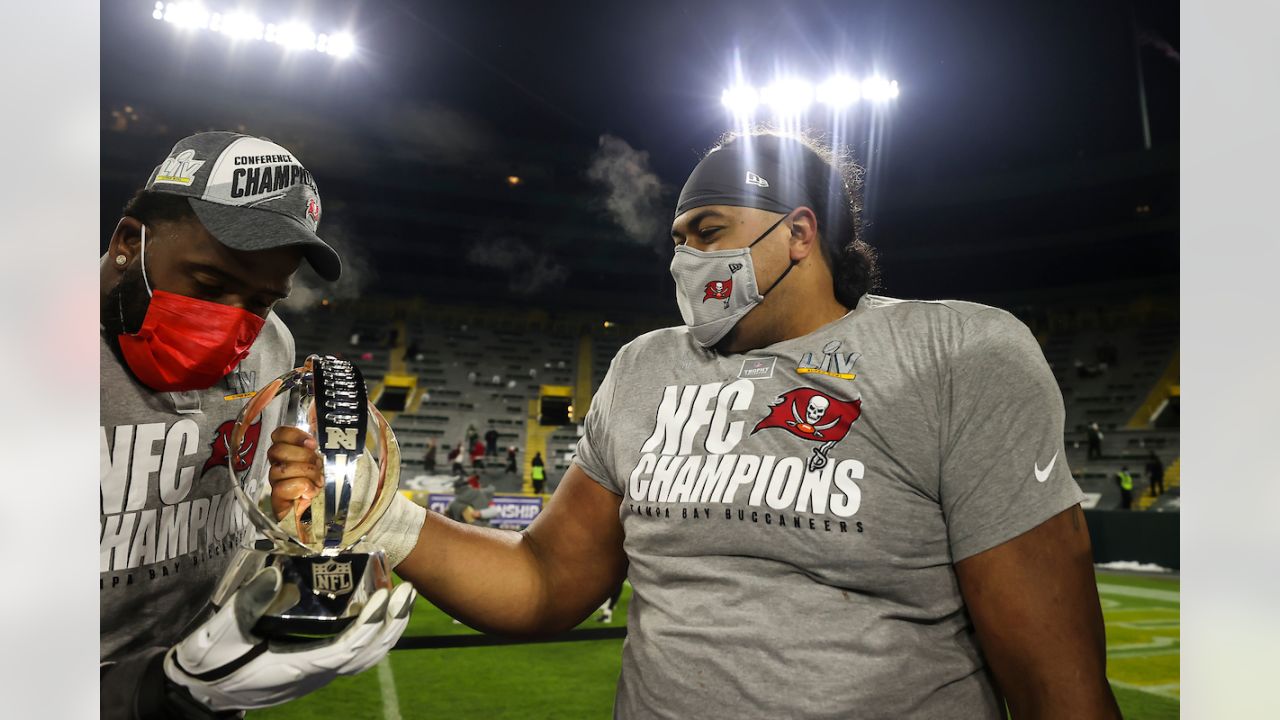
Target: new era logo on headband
pixel 754 179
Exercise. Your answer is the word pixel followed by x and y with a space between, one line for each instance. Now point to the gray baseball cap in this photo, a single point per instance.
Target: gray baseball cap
pixel 250 194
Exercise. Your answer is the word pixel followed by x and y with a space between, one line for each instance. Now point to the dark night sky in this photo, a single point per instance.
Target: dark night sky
pixel 410 139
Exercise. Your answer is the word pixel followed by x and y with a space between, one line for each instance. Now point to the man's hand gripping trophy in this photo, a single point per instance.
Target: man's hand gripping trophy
pixel 316 601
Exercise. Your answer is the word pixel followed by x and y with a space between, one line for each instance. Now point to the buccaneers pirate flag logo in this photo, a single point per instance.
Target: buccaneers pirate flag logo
pixel 719 290
pixel 222 440
pixel 812 415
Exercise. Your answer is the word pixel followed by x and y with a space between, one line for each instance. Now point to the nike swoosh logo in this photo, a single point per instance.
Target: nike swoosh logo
pixel 1042 475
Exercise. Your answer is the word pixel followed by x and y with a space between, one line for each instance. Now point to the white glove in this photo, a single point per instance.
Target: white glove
pixel 225 667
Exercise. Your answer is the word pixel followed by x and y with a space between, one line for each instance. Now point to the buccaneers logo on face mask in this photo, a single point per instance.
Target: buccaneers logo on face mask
pixel 222 438
pixel 718 290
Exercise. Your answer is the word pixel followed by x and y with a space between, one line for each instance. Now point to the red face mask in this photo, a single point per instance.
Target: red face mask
pixel 185 343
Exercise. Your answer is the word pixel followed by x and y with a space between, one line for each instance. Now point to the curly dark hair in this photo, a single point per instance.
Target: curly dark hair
pixel 833 183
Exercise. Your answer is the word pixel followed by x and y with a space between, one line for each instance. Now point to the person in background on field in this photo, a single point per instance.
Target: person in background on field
pixel 429 460
pixel 1095 442
pixel 471 503
pixel 491 441
pixel 539 473
pixel 1125 481
pixel 455 457
pixel 1155 474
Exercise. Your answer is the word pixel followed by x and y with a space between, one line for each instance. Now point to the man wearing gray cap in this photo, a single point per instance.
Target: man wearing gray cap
pixel 471 503
pixel 192 271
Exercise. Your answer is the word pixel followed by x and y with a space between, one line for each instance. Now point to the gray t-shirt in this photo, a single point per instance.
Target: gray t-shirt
pixel 170 522
pixel 793 514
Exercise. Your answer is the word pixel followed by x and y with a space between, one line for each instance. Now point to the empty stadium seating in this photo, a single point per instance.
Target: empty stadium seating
pixel 485 368
pixel 478 370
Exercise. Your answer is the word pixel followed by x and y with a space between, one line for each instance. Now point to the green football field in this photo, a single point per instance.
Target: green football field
pixel 576 679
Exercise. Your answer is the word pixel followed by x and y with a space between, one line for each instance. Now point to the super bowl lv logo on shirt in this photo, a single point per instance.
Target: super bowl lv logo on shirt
pixel 707 451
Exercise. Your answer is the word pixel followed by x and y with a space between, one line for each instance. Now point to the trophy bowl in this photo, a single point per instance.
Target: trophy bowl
pixel 318 544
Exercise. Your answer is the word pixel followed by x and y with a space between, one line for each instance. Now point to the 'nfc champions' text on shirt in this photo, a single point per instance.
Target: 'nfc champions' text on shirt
pixel 689 458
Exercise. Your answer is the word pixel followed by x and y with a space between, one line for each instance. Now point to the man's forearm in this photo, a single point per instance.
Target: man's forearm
pixel 1052 698
pixel 489 579
pixel 542 581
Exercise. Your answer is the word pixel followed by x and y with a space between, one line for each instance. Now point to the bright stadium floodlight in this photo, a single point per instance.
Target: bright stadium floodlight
pixel 740 99
pixel 793 96
pixel 296 36
pixel 341 45
pixel 242 25
pixel 190 15
pixel 878 89
pixel 788 96
pixel 839 91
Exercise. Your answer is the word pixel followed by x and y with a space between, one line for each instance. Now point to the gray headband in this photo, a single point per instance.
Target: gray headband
pixel 763 172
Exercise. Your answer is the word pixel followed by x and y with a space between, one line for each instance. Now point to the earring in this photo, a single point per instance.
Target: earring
pixel 120 259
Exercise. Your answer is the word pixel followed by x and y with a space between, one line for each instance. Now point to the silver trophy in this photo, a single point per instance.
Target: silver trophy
pixel 319 545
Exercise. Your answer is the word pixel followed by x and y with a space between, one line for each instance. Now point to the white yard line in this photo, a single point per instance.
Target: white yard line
pixel 1138 592
pixel 387 682
pixel 1126 654
pixel 1156 643
pixel 1165 691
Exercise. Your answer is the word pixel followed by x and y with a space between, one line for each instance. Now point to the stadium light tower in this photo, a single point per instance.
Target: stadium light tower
pixel 839 91
pixel 342 45
pixel 793 96
pixel 788 96
pixel 876 88
pixel 242 25
pixel 296 36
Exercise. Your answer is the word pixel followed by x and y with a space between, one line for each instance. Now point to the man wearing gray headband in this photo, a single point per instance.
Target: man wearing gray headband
pixel 750 183
pixel 829 503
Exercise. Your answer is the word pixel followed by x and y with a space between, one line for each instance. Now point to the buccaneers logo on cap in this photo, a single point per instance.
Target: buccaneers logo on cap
pixel 222 440
pixel 313 209
pixel 718 290
pixel 824 419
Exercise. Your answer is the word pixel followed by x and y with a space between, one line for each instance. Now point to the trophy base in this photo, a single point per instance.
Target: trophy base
pixel 296 629
pixel 321 594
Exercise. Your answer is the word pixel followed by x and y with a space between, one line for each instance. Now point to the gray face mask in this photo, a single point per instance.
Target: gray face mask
pixel 717 288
